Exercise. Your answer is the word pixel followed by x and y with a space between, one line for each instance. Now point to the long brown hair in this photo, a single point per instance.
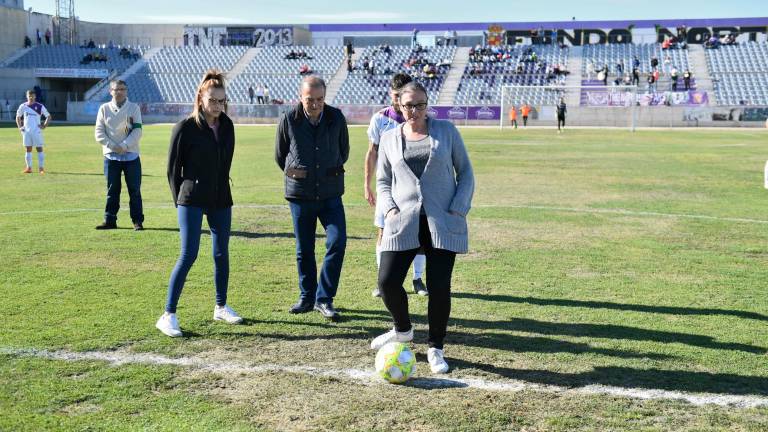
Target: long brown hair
pixel 212 79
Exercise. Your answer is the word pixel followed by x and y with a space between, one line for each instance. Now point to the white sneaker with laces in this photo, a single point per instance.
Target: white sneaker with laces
pixel 169 325
pixel 226 314
pixel 391 336
pixel 436 361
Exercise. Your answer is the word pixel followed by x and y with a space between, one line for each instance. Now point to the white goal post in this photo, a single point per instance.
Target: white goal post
pixel 614 105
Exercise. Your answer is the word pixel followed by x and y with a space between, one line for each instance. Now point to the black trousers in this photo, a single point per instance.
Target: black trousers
pixel 560 120
pixel 393 271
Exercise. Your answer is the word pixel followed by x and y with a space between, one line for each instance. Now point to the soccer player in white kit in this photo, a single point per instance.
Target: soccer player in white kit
pixel 28 118
pixel 384 120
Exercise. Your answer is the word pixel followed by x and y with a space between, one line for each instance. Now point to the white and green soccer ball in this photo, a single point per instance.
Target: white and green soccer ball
pixel 395 362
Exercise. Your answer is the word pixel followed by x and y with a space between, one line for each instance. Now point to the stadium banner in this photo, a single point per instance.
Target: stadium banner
pixel 597 98
pixel 71 73
pixel 363 113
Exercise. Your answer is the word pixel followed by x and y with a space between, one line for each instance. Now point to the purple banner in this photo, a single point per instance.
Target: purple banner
pixel 689 98
pixel 465 112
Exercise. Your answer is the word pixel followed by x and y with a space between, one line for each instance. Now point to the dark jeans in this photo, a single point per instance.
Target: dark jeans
pixel 392 272
pixel 190 224
pixel 112 171
pixel 305 214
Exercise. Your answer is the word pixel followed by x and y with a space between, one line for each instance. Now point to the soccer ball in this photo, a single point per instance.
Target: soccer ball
pixel 395 362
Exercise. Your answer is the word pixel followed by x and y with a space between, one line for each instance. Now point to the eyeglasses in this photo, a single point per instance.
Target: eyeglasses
pixel 414 107
pixel 214 101
pixel 117 89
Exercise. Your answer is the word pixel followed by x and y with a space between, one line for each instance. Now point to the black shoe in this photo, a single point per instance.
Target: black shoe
pixel 327 310
pixel 137 226
pixel 301 307
pixel 106 225
pixel 419 287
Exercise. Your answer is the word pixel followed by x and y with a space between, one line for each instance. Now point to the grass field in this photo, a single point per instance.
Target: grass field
pixel 598 258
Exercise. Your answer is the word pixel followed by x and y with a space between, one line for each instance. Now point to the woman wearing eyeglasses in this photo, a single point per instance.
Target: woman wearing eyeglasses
pixel 199 160
pixel 424 185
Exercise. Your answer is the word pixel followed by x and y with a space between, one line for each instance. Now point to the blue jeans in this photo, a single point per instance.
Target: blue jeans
pixel 112 171
pixel 190 224
pixel 305 214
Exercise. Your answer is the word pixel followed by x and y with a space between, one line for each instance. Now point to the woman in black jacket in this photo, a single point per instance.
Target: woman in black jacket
pixel 199 160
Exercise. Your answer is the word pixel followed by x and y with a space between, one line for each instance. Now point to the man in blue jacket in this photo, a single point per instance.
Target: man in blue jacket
pixel 311 147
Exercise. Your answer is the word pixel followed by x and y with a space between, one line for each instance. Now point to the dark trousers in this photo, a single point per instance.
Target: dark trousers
pixel 330 213
pixel 190 228
pixel 393 271
pixel 525 120
pixel 113 171
pixel 560 120
pixel 513 122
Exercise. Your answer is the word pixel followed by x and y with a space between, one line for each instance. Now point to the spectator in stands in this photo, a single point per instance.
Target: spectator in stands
pixel 651 83
pixel 590 70
pixel 561 112
pixel 199 161
pixel 260 94
pixel 673 75
pixel 119 130
pixel 311 148
pixel 39 39
pixel 414 38
pixel 27 42
pixel 251 94
pixel 687 79
pixel 513 116
pixel 635 62
pixel 186 39
pixel 627 79
pixel 654 63
pixel 437 223
pixel 447 37
pixel 196 39
pixel 635 76
pixel 47 36
pixel 267 97
pixel 525 110
pixel 620 67
pixel 8 109
pixel 91 44
pixel 305 69
pixel 455 37
pixel 667 64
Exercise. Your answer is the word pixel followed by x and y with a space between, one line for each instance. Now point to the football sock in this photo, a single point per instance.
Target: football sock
pixel 28 159
pixel 40 159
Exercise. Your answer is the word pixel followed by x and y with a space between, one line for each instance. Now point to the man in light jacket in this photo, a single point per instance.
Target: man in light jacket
pixel 118 130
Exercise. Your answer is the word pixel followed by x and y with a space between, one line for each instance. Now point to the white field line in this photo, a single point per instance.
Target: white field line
pixel 369 377
pixel 622 212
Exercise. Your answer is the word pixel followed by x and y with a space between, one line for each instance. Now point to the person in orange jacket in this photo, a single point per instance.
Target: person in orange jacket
pixel 525 110
pixel 513 116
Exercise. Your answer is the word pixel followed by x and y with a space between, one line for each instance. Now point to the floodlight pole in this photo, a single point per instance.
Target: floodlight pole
pixel 65 23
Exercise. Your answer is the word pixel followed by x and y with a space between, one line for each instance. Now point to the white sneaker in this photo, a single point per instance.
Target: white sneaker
pixel 169 325
pixel 225 313
pixel 391 336
pixel 436 361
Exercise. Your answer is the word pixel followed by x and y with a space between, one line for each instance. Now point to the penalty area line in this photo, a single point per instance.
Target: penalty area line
pixel 368 377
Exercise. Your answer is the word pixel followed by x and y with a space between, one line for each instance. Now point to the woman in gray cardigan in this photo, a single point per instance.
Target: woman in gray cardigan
pixel 425 184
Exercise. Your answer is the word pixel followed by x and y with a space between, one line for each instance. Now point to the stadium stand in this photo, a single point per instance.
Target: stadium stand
pixel 279 71
pixel 488 71
pixel 610 55
pixel 740 73
pixel 173 73
pixel 72 57
pixel 364 87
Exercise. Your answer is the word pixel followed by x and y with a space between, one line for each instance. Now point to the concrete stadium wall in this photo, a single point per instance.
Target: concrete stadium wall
pixel 132 34
pixel 13 84
pixel 12 31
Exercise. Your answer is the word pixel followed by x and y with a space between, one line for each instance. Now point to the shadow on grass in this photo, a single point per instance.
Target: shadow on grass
pixel 625 377
pixel 602 331
pixel 251 235
pixel 672 310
